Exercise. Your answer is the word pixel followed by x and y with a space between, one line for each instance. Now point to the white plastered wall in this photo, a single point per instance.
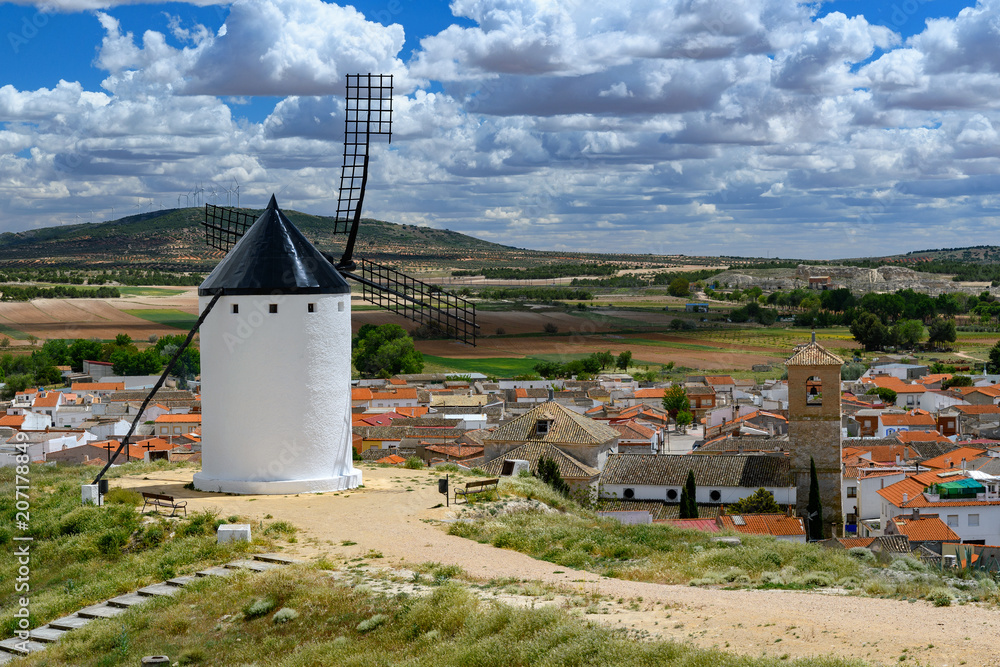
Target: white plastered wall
pixel 276 395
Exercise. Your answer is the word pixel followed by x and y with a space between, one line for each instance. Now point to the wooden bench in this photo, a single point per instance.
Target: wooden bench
pixel 472 488
pixel 162 500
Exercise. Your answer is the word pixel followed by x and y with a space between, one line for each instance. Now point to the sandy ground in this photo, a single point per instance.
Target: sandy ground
pixel 397 515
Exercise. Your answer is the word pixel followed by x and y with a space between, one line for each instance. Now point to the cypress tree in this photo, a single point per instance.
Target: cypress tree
pixel 814 510
pixel 689 495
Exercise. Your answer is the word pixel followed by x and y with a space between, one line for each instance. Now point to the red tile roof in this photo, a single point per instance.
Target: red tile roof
pixel 414 411
pixel 953 459
pixel 763 524
pixel 392 459
pixel 651 392
pixel 914 486
pixel 12 421
pixel 631 430
pixel 397 381
pixel 925 529
pixel 47 400
pixel 400 394
pixel 978 409
pixel 919 436
pixel 851 542
pixel 706 525
pixel 179 419
pixel 896 419
pixel 98 386
pixel 361 394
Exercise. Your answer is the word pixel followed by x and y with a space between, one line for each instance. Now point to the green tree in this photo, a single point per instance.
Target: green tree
pixel 994 364
pixel 887 395
pixel 675 399
pixel 548 369
pixel 907 333
pixel 684 419
pixel 957 381
pixel 689 498
pixel 84 350
pixel 760 502
pixel 852 370
pixel 624 359
pixel 605 359
pixel 814 509
pixel 679 287
pixel 941 330
pixel 868 330
pixel 548 472
pixel 384 351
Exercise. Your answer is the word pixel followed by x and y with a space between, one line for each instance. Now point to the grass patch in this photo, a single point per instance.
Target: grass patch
pixel 493 366
pixel 81 555
pixel 341 625
pixel 11 332
pixel 129 290
pixel 168 317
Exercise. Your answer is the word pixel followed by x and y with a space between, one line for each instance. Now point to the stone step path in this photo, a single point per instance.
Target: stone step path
pixel 41 637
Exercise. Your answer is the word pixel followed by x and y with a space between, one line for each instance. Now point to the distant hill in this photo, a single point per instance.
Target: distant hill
pixel 174 240
pixel 980 254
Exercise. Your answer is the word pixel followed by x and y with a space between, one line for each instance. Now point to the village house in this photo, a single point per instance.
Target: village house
pixel 721 479
pixel 171 425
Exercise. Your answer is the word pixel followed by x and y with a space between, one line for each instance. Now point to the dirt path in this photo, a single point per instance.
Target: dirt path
pixel 395 515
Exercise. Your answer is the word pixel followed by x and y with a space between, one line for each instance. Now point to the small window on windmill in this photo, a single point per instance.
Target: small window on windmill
pixel 236 309
pixel 542 427
pixel 311 307
pixel 272 308
pixel 340 306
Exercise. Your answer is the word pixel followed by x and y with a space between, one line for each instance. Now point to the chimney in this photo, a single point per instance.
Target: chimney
pixel 552 394
pixel 906 497
pixel 814 336
pixel 916 514
pixel 963 464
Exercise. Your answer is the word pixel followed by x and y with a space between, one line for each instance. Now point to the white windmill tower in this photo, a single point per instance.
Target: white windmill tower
pixel 276 367
pixel 276 360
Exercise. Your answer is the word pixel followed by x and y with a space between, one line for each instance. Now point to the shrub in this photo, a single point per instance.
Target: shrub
pixel 280 528
pixel 414 463
pixel 259 607
pixel 119 496
pixel 550 328
pixel 862 554
pixel 372 623
pixel 285 614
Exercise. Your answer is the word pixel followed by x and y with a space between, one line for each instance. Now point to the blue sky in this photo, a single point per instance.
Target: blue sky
pixel 745 127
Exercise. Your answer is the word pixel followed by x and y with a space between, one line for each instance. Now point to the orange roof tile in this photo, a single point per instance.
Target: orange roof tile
pixel 925 529
pixel 851 542
pixel 12 421
pixel 47 400
pixel 397 381
pixel 179 419
pixel 933 378
pixel 919 436
pixel 978 409
pixel 413 411
pixel 361 394
pixel 651 392
pixel 953 459
pixel 520 392
pixel 400 394
pixel 392 459
pixel 896 419
pixel 98 386
pixel 719 379
pixel 764 524
pixel 913 487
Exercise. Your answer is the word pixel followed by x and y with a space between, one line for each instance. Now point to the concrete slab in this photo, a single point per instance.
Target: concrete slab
pixel 127 600
pixel 158 590
pixel 6 657
pixel 181 581
pixel 280 559
pixel 254 565
pixel 100 611
pixel 233 532
pixel 46 634
pixel 21 646
pixel 215 572
pixel 69 622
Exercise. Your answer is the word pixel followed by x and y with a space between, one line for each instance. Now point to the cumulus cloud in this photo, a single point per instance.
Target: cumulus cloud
pixel 697 126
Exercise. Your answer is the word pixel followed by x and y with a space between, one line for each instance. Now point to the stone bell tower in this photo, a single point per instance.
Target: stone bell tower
pixel 814 428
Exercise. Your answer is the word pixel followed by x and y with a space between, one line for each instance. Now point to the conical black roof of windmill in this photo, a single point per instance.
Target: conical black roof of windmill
pixel 273 257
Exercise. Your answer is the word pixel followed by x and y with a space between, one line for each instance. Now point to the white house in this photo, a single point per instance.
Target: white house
pixel 720 479
pixel 976 518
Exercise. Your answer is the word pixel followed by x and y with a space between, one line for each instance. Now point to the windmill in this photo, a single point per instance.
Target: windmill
pixel 368 113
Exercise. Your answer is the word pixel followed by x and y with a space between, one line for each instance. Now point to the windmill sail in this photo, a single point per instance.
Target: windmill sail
pixel 225 226
pixel 427 304
pixel 367 113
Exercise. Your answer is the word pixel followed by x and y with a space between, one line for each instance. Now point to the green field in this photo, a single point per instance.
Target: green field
pixel 10 331
pixel 148 291
pixel 166 316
